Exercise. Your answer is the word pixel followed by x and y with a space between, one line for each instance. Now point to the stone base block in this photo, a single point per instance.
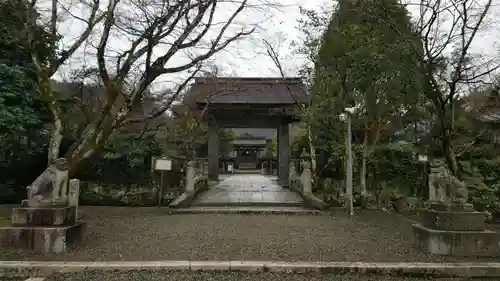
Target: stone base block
pixel 42 239
pixel 44 203
pixel 453 220
pixel 440 206
pixel 484 243
pixel 43 216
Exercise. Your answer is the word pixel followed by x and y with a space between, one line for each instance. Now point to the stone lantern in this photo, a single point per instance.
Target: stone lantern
pixel 305 159
pixel 306 175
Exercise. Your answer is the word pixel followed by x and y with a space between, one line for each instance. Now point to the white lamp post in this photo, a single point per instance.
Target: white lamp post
pixel 347 116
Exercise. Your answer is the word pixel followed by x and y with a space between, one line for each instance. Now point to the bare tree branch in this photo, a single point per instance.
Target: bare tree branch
pixel 164 107
pixel 92 21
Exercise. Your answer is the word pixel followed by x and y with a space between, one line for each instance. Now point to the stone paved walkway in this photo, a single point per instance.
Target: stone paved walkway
pixel 248 189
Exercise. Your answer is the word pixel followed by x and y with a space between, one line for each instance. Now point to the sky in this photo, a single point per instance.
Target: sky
pixel 280 29
pixel 246 57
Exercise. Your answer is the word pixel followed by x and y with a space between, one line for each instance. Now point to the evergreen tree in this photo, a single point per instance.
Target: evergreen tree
pixel 21 110
pixel 365 59
pixel 23 114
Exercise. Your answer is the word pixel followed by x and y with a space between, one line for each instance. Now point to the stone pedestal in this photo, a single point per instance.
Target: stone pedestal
pixel 43 216
pixel 455 230
pixel 43 230
pixel 283 154
pixel 306 178
pixel 190 178
pixel 267 168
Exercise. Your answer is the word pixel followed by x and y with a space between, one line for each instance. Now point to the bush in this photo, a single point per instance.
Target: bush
pixel 117 195
pixel 396 167
pixel 7 194
pixel 480 168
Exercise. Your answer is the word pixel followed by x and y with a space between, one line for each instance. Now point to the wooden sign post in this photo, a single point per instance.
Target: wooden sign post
pixel 161 164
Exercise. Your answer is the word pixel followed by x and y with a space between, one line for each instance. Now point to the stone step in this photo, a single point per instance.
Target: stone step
pixel 247 210
pixel 248 171
pixel 248 204
pixel 247 165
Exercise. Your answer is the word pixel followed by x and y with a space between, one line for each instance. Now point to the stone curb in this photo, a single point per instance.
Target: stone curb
pixel 471 270
pixel 202 210
pixel 247 204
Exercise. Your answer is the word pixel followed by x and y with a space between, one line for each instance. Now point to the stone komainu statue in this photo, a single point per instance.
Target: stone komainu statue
pixel 51 187
pixel 444 186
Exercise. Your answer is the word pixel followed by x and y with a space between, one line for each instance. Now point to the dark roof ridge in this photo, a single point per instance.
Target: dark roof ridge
pixel 260 80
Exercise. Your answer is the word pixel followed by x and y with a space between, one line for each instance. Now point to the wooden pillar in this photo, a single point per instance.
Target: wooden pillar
pixel 213 151
pixel 283 154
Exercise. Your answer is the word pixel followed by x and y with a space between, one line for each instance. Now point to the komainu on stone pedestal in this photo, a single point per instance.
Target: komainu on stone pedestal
pixel 451 226
pixel 46 222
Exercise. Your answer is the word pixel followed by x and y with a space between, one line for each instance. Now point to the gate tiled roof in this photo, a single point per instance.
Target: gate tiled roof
pixel 237 90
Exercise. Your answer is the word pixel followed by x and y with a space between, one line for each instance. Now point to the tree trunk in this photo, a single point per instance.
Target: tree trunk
pixel 55 138
pixel 449 154
pixel 97 132
pixel 362 174
pixel 55 110
pixel 363 190
pixel 90 141
pixel 87 145
pixel 312 150
pixel 446 122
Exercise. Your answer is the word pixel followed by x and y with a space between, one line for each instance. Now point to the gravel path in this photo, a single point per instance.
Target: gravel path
pixel 121 233
pixel 230 276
